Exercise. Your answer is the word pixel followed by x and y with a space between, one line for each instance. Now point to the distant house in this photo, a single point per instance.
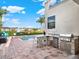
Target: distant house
pixel 62 17
pixel 9 28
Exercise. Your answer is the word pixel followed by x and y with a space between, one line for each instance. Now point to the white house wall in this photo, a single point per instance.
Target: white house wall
pixel 67 18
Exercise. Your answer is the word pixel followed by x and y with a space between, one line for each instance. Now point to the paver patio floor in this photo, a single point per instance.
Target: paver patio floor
pixel 19 49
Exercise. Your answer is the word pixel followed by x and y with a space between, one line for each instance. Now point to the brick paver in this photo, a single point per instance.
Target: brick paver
pixel 19 49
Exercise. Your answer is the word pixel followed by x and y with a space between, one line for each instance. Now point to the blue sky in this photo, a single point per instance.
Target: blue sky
pixel 22 13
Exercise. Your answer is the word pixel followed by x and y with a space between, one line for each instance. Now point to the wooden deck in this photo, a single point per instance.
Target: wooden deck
pixel 19 49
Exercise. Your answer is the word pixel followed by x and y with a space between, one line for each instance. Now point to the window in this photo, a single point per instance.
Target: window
pixel 51 22
pixel 55 2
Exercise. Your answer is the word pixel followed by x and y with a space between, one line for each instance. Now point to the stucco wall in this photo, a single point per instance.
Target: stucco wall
pixel 67 18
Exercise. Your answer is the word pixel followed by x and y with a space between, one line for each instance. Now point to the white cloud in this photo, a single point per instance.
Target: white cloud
pixel 5 19
pixel 41 11
pixel 13 9
pixel 43 3
pixel 12 21
pixel 15 21
pixel 39 0
pixel 37 18
pixel 4 7
pixel 23 12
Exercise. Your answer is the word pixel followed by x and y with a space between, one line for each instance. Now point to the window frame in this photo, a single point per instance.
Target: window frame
pixel 51 19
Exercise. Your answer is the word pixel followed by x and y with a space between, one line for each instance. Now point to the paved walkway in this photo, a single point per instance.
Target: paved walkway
pixel 19 49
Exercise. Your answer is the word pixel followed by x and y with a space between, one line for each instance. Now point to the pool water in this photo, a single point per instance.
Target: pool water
pixel 27 37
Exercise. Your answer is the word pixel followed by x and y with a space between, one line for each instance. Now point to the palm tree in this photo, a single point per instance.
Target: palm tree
pixel 41 20
pixel 2 12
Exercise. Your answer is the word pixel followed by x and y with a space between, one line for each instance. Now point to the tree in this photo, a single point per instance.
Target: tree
pixel 2 12
pixel 41 20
